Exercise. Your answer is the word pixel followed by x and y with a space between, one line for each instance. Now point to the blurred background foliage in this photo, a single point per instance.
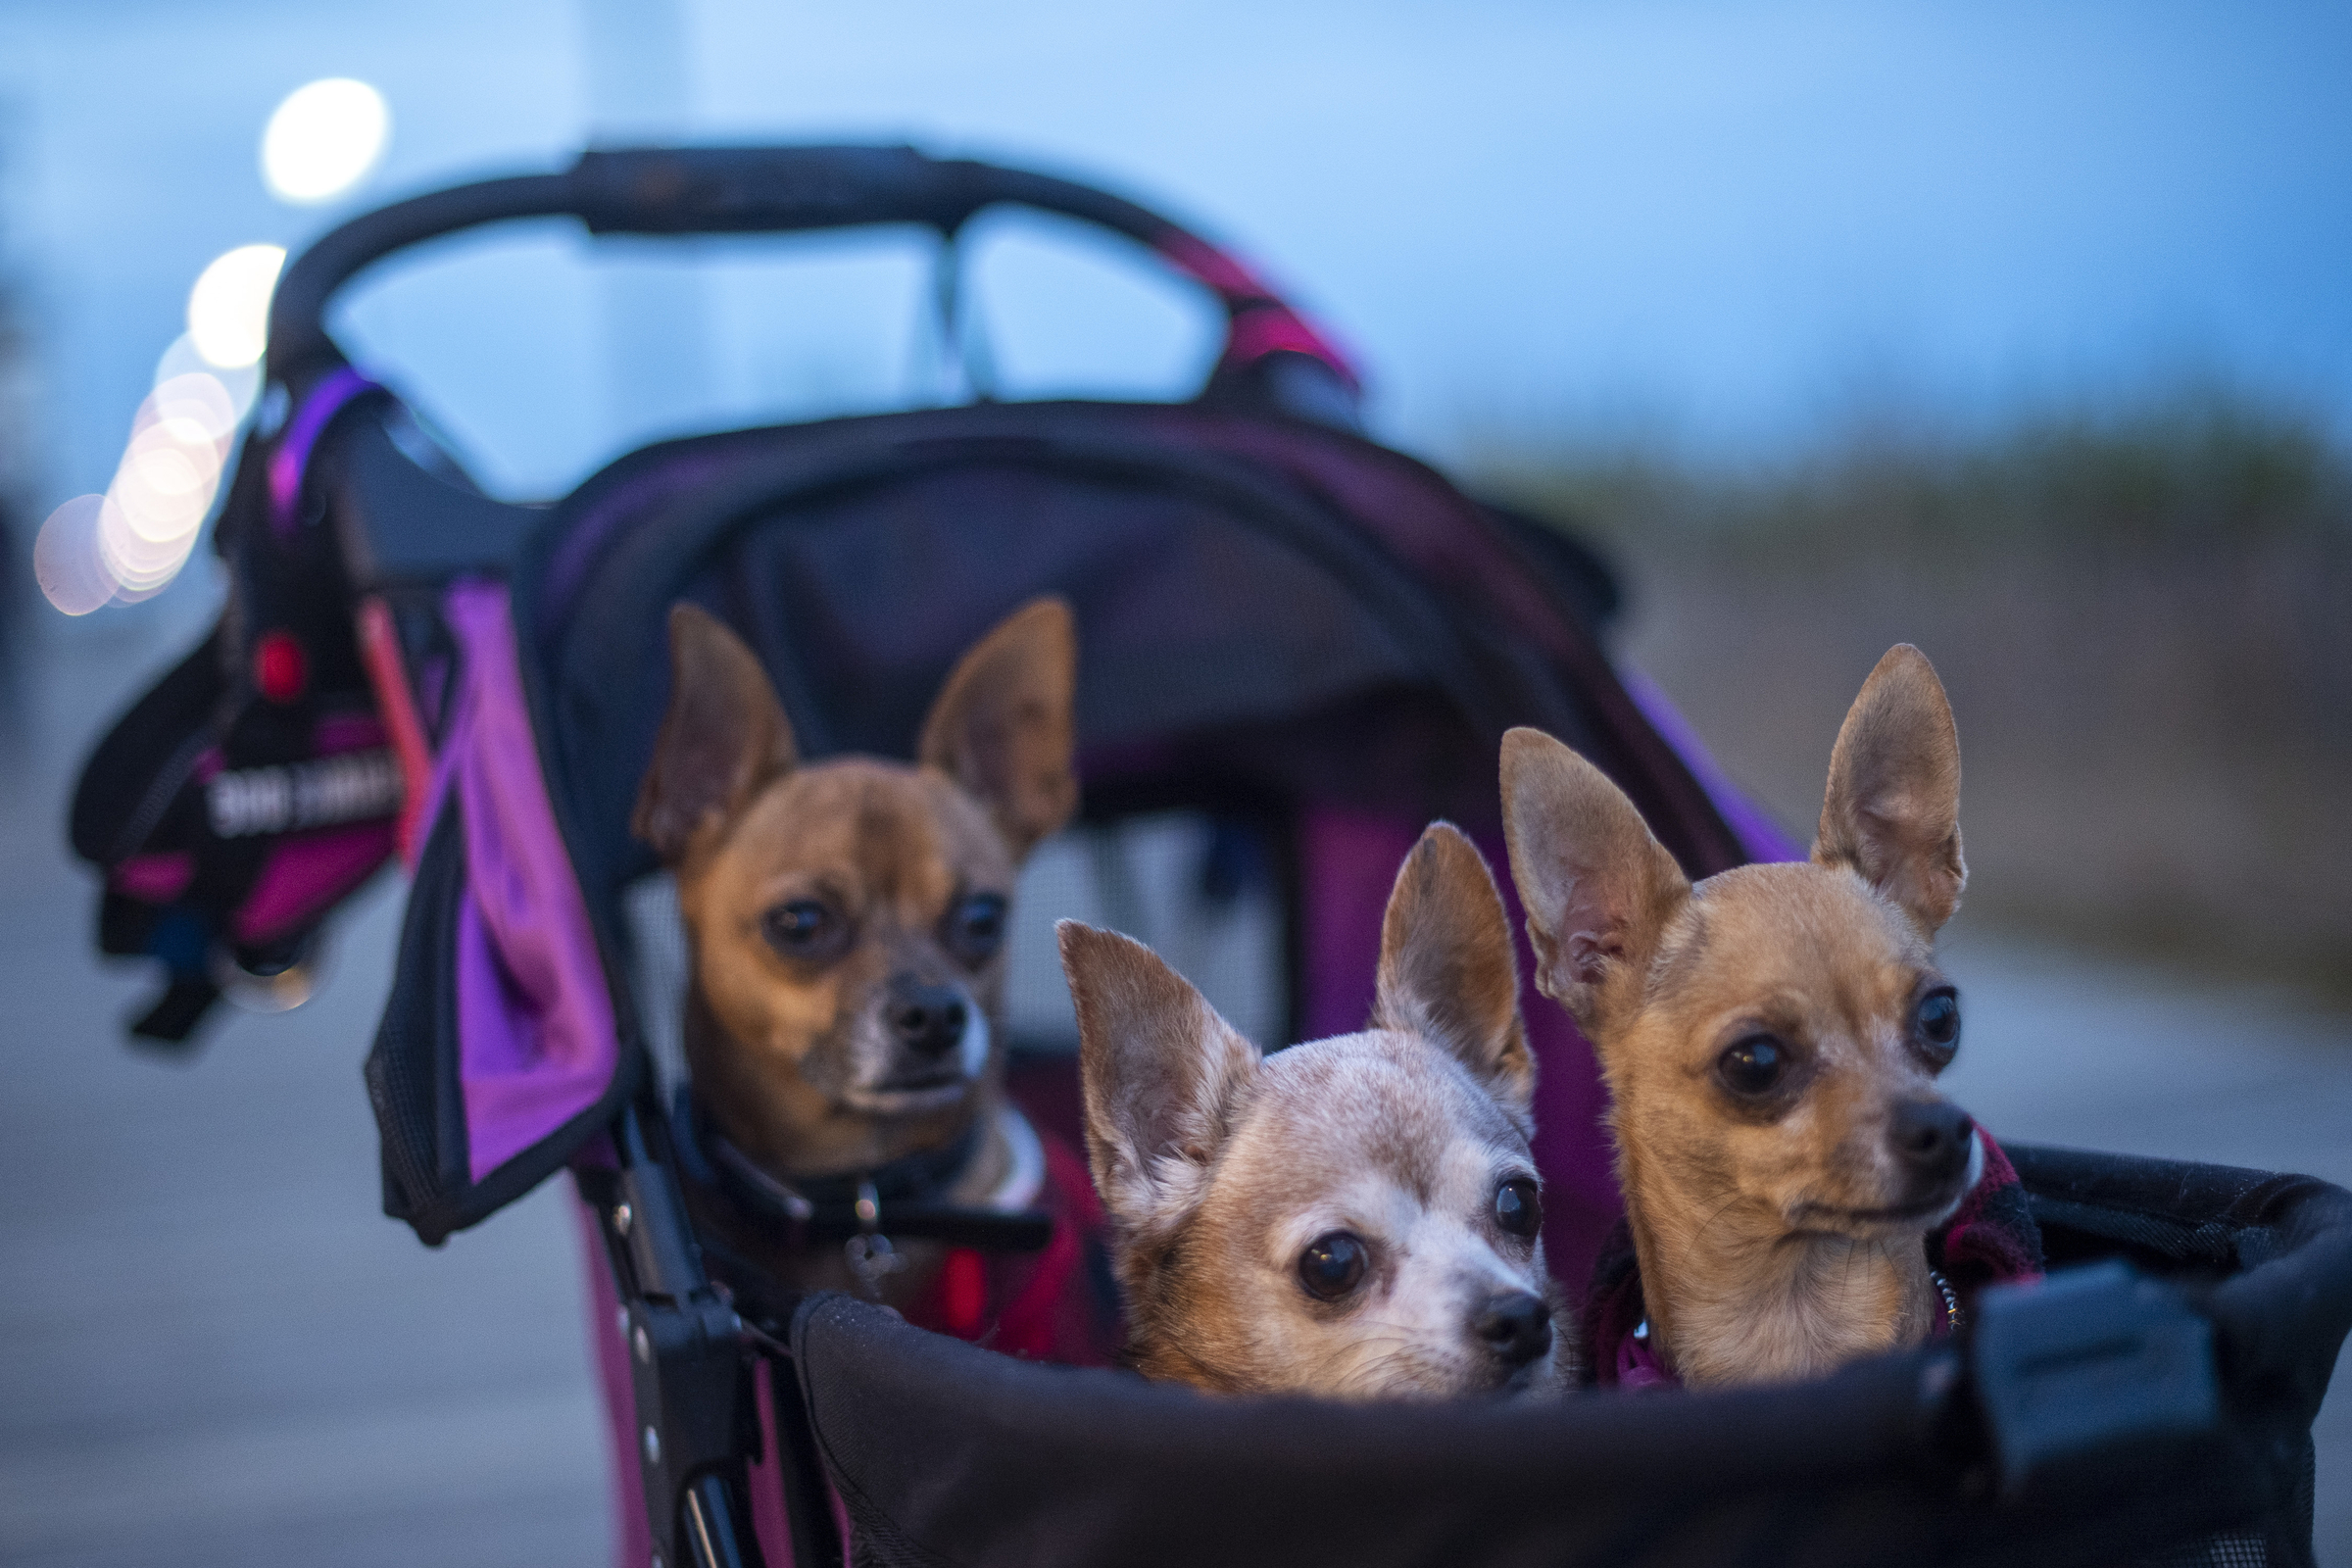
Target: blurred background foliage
pixel 2093 252
pixel 2139 610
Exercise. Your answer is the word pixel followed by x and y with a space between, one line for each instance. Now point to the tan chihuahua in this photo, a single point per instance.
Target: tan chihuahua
pixel 1354 1217
pixel 846 919
pixel 1771 1039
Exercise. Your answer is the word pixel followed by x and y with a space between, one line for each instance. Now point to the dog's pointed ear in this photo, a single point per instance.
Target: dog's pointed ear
pixel 1446 969
pixel 1162 1075
pixel 723 737
pixel 1597 888
pixel 1003 726
pixel 1893 810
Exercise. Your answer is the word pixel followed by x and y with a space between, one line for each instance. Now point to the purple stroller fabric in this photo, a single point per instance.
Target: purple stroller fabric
pixel 1347 863
pixel 536 1044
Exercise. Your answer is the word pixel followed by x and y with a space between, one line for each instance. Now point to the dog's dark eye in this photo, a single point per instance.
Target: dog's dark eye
pixel 976 927
pixel 1519 1207
pixel 1753 1065
pixel 1939 1019
pixel 1332 1266
pixel 806 930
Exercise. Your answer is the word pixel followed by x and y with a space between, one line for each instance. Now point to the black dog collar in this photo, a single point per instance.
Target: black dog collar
pixel 901 1198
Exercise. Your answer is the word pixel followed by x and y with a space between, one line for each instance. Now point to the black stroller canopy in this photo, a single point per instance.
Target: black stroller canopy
pixel 1237 610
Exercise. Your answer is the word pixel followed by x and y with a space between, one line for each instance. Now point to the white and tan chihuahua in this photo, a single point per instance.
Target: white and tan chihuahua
pixel 1354 1217
pixel 1771 1039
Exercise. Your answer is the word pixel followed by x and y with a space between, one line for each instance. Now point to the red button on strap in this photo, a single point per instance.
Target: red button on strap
pixel 280 670
pixel 964 1293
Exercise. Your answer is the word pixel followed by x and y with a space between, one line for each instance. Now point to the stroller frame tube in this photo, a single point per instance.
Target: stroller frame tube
pixel 691 1360
pixel 767 190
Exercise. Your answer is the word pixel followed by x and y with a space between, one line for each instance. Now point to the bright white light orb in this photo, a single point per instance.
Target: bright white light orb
pixel 127 545
pixel 240 385
pixel 65 561
pixel 323 140
pixel 138 564
pixel 167 481
pixel 228 308
pixel 196 398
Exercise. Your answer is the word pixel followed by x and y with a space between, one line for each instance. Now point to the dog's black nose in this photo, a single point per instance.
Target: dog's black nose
pixel 928 1020
pixel 1516 1326
pixel 1931 1137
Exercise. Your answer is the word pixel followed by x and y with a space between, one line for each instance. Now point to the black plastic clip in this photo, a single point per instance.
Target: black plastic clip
pixel 2089 1368
pixel 698 1423
pixel 694 1410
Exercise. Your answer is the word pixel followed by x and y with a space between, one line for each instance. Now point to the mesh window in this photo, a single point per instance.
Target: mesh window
pixel 657 973
pixel 1199 890
pixel 2229 1550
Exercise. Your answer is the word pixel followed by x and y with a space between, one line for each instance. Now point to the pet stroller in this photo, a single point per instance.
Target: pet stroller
pixel 1297 648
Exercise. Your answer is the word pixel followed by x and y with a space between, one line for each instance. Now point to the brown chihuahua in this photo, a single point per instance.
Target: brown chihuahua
pixel 1771 1039
pixel 846 922
pixel 1354 1217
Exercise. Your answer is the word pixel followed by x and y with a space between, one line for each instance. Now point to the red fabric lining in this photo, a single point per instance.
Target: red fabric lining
pixel 156 878
pixel 1038 1305
pixel 387 673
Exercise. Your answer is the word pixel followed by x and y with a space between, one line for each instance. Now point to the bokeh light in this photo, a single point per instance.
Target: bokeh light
pixel 127 545
pixel 66 562
pixel 197 397
pixel 240 384
pixel 228 308
pixel 323 139
pixel 168 479
pixel 139 566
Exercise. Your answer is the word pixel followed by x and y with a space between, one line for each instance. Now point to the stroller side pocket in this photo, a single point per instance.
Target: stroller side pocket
pixel 499 1053
pixel 412 1081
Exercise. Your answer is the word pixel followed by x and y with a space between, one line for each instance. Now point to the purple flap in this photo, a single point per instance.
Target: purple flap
pixel 535 1036
pixel 1348 864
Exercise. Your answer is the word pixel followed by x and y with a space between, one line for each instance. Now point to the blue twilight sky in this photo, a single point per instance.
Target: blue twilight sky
pixel 1721 221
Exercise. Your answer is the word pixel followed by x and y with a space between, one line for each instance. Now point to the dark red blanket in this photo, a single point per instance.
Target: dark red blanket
pixel 1058 1304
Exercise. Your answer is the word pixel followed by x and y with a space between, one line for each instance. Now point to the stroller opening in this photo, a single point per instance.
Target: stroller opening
pixel 1297 646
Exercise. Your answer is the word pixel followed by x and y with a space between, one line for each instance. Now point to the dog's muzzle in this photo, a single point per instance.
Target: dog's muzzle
pixel 1515 1327
pixel 937 1036
pixel 926 1021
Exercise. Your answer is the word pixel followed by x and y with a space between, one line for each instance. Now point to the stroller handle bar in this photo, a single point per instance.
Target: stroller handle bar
pixel 765 190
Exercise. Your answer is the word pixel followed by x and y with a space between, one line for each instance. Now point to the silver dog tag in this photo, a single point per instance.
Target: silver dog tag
pixel 872 1260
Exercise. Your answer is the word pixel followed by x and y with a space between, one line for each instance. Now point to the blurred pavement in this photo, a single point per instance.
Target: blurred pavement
pixel 218 1349
pixel 218 1352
